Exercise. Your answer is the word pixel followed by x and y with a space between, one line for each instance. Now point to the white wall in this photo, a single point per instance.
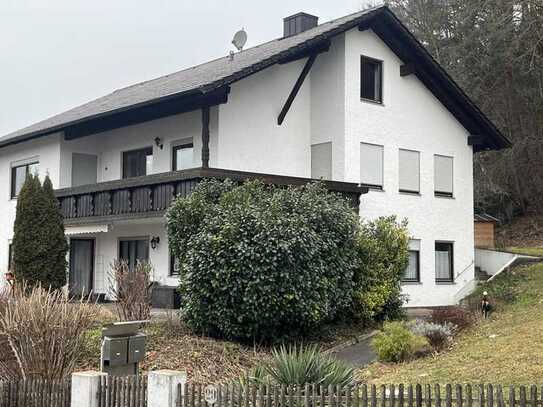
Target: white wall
pixel 45 150
pixel 250 138
pixel 411 118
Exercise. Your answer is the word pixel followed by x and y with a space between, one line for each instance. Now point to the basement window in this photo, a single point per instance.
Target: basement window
pixel 371 79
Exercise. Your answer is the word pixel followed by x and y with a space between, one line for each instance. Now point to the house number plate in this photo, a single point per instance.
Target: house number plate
pixel 210 394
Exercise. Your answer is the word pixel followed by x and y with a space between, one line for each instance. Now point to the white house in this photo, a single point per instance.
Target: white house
pixel 356 100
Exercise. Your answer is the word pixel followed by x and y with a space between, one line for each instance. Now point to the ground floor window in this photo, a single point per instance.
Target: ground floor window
pixel 174 266
pixel 10 257
pixel 444 261
pixel 133 250
pixel 412 271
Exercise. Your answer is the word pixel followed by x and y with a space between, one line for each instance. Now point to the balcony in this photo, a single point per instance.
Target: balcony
pixel 149 196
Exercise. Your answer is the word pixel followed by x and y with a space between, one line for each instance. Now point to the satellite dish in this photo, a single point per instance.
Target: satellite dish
pixel 240 38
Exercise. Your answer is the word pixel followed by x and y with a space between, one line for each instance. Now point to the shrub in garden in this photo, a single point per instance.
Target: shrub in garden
pixel 383 256
pixel 298 365
pixel 131 290
pixel 261 262
pixel 45 332
pixel 457 316
pixel 396 343
pixel 39 244
pixel 437 335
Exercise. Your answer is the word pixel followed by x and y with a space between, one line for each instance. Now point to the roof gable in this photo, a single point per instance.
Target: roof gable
pixel 200 80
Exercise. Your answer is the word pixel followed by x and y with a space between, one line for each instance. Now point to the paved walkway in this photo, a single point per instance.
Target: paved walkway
pixel 359 354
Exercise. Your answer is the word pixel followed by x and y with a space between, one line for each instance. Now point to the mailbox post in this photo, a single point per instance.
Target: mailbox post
pixel 123 347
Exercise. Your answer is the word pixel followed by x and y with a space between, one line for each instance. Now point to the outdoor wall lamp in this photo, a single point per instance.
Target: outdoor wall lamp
pixel 154 242
pixel 159 143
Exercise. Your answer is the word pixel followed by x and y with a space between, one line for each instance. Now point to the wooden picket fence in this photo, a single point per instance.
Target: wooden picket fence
pixel 128 391
pixel 364 396
pixel 35 392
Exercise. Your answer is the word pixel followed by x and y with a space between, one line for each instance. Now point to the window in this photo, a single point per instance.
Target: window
pixel 412 271
pixel 174 266
pixel 134 250
pixel 371 165
pixel 137 162
pixel 19 174
pixel 321 161
pixel 183 156
pixel 409 171
pixel 443 175
pixel 444 262
pixel 371 79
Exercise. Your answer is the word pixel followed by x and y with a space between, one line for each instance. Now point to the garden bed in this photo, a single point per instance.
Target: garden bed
pixel 171 345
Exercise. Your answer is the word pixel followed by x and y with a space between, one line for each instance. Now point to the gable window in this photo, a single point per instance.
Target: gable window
pixel 412 271
pixel 133 250
pixel 137 162
pixel 183 156
pixel 443 176
pixel 371 165
pixel 321 161
pixel 409 171
pixel 19 174
pixel 444 261
pixel 371 79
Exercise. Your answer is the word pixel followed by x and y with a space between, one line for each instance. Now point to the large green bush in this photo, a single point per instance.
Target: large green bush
pixel 260 262
pixel 39 244
pixel 383 254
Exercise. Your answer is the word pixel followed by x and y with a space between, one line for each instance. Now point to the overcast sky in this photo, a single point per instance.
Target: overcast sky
pixel 57 54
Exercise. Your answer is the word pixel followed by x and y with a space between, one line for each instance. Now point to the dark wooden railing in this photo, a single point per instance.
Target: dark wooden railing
pixel 151 195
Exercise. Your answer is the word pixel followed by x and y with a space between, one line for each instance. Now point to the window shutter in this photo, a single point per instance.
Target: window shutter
pixel 443 175
pixel 321 161
pixel 371 164
pixel 409 171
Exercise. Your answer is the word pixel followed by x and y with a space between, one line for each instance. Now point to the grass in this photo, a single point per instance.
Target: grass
pixel 506 349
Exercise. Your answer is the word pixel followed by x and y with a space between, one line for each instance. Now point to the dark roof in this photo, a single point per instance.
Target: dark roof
pixel 485 217
pixel 207 77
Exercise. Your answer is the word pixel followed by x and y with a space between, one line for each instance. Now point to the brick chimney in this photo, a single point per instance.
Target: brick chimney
pixel 297 23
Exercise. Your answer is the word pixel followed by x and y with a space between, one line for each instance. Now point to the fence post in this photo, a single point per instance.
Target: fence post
pixel 162 387
pixel 85 387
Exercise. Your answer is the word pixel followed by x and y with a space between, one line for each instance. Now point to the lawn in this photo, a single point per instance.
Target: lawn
pixel 529 251
pixel 506 349
pixel 171 345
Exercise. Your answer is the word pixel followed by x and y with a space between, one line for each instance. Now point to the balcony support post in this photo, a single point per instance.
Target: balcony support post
pixel 205 137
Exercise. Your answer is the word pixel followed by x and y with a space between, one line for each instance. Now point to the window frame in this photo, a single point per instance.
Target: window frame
pixel 443 194
pixel 450 279
pixel 130 239
pixel 379 64
pixel 408 191
pixel 136 150
pixel 180 146
pixel 171 271
pixel 417 278
pixel 376 187
pixel 13 174
pixel 10 257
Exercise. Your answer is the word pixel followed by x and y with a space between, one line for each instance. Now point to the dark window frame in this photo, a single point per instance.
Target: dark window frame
pixel 378 99
pixel 174 153
pixel 417 278
pixel 14 168
pixel 172 272
pixel 449 279
pixel 145 151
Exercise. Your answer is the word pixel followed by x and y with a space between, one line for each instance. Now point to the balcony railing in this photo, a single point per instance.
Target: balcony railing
pixel 150 195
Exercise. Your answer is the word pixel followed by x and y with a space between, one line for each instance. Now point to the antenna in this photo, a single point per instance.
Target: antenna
pixel 240 38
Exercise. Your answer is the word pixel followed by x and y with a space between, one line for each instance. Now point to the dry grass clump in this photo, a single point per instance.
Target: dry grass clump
pixel 43 331
pixel 132 290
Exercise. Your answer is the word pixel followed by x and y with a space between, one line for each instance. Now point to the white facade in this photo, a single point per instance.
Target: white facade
pixel 244 135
